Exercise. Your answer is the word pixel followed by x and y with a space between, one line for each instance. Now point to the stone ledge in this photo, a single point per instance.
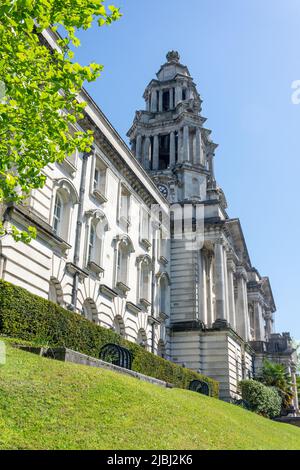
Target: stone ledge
pixel 294 420
pixel 68 355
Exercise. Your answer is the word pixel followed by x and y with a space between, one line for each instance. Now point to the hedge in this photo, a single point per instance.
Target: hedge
pixel 262 399
pixel 29 317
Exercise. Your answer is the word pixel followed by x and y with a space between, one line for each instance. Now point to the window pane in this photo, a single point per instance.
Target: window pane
pixel 57 214
pixel 96 179
pixel 91 247
pixel 125 200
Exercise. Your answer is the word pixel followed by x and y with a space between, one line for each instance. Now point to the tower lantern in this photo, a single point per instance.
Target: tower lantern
pixel 168 137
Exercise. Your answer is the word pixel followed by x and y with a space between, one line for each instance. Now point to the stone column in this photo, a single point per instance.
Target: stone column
pixel 259 331
pixel 226 283
pixel 133 146
pixel 186 144
pixel 220 282
pixel 197 156
pixel 268 318
pixel 148 102
pixel 202 155
pixel 160 105
pixel 295 388
pixel 202 288
pixel 138 147
pixel 242 316
pixel 172 149
pixel 146 159
pixel 153 101
pixel 177 95
pixel 180 149
pixel 208 257
pixel 231 301
pixel 155 153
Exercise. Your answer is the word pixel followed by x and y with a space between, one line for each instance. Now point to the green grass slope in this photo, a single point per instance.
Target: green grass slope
pixel 45 404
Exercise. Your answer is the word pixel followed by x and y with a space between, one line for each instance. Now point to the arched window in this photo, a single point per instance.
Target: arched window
pixel 92 244
pixel 145 281
pixel 142 338
pixel 57 214
pixel 65 199
pixel 122 264
pixel 164 282
pixel 96 226
pixel 144 268
pixel 124 249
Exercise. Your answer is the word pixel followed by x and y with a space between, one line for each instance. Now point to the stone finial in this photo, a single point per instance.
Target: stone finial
pixel 173 56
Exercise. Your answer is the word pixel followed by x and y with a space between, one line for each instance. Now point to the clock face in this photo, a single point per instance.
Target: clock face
pixel 163 189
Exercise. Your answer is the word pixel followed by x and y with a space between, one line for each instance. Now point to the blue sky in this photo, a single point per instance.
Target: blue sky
pixel 244 56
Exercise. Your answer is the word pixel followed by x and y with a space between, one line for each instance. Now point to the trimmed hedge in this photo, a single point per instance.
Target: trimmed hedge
pixel 263 400
pixel 29 317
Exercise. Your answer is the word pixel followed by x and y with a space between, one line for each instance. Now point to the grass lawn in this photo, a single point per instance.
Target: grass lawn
pixel 45 404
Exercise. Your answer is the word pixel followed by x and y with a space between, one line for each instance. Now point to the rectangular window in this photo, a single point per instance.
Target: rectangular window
pixel 157 100
pixel 166 100
pixel 96 179
pixel 100 177
pixel 145 225
pixel 91 246
pixel 98 182
pixel 122 264
pixel 145 284
pixel 164 151
pixel 57 214
pixel 124 205
pixel 163 245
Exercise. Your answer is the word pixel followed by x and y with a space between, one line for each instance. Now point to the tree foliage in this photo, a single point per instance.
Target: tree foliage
pixel 39 88
pixel 275 375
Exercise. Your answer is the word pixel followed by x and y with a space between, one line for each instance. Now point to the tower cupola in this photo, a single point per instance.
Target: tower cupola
pixel 168 137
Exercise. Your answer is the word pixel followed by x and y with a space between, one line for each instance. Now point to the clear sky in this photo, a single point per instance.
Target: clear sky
pixel 243 56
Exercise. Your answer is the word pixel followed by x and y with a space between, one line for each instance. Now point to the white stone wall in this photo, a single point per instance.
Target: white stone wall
pixel 44 262
pixel 186 348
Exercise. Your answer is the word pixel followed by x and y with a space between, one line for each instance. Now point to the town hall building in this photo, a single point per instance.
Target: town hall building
pixel 108 245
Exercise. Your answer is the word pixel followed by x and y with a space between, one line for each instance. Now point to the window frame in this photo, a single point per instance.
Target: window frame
pixel 57 220
pixel 145 236
pixel 94 254
pixel 99 192
pixel 125 221
pixel 65 190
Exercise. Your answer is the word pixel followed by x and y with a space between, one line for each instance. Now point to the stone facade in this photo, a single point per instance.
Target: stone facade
pixel 221 309
pixel 103 252
pixel 96 251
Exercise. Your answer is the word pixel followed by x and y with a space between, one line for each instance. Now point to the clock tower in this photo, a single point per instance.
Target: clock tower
pixel 169 138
